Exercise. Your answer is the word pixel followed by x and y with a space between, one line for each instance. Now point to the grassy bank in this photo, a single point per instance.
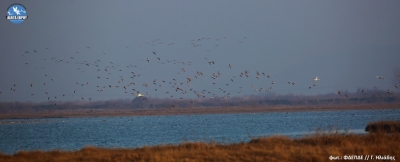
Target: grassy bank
pixel 317 147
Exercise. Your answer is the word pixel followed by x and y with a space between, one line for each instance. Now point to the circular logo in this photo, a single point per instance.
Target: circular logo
pixel 16 13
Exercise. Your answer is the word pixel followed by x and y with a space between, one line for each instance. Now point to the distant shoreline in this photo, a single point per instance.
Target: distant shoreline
pixel 192 111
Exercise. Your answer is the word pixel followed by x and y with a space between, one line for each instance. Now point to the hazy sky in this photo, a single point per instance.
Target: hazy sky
pixel 345 43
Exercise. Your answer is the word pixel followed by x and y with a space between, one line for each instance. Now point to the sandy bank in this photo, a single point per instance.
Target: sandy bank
pixel 187 111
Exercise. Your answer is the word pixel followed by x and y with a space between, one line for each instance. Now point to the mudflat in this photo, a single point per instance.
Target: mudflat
pixel 194 110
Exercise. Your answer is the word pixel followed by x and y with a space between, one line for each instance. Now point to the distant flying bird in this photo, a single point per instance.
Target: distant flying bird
pixel 380 77
pixel 316 78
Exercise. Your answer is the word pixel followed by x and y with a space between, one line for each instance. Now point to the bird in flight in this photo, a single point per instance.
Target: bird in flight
pixel 380 77
pixel 316 78
pixel 18 11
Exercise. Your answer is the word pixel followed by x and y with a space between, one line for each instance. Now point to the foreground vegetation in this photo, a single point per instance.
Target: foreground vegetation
pixel 316 147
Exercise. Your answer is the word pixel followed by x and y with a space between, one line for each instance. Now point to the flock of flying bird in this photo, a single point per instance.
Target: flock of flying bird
pixel 131 82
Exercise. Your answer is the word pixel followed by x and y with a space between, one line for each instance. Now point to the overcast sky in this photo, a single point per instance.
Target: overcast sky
pixel 87 47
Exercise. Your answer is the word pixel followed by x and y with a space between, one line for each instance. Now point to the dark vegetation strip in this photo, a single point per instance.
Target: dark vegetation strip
pixel 383 126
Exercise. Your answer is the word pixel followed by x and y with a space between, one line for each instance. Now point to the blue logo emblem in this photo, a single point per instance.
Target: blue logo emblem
pixel 16 13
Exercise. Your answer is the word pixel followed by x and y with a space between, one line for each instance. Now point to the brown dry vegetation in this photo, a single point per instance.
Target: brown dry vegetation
pixel 317 147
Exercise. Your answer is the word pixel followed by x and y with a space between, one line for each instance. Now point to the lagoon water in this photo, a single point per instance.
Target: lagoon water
pixel 138 131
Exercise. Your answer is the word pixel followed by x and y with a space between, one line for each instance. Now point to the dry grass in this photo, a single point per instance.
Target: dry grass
pixel 317 147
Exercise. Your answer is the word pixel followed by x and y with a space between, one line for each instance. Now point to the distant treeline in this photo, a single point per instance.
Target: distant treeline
pixel 264 100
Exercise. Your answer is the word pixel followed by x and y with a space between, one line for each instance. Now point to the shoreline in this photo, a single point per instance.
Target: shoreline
pixel 316 147
pixel 192 111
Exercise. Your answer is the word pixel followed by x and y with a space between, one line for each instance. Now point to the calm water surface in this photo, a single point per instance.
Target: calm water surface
pixel 138 131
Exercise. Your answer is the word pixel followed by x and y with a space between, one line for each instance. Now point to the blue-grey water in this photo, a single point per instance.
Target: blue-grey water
pixel 137 131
